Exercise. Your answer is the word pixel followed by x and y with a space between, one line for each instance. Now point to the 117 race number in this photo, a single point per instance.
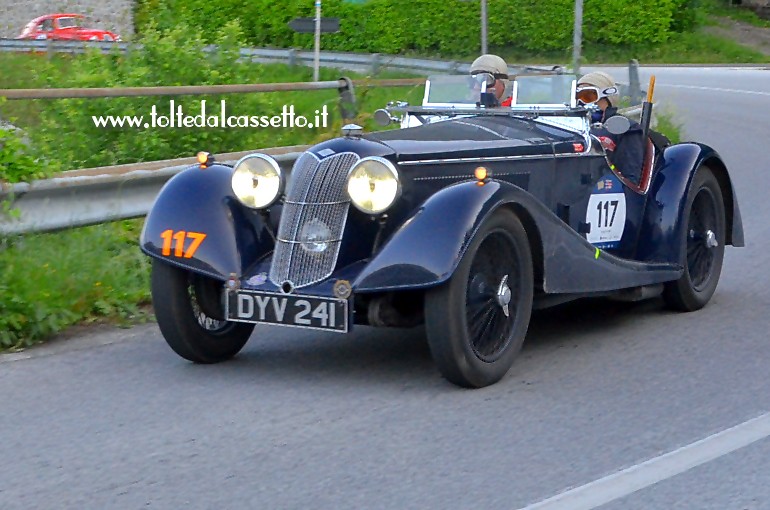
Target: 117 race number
pixel 606 214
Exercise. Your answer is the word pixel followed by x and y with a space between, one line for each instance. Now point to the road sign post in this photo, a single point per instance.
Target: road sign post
pixel 577 36
pixel 483 26
pixel 315 25
pixel 317 57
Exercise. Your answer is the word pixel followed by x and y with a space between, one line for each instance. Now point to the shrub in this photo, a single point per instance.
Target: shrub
pixel 15 161
pixel 51 281
pixel 445 27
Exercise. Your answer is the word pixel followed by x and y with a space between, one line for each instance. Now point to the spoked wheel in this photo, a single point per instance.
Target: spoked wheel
pixel 477 321
pixel 703 245
pixel 190 318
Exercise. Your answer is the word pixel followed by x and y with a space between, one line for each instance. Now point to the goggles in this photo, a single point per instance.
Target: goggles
pixel 496 76
pixel 588 95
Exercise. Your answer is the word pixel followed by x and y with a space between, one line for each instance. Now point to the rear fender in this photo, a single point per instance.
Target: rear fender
pixel 198 224
pixel 663 220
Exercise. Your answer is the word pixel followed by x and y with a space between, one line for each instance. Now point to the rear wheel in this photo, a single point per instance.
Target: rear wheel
pixel 702 244
pixel 476 323
pixel 190 318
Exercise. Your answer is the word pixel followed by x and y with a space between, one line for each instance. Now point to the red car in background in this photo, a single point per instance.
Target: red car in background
pixel 65 27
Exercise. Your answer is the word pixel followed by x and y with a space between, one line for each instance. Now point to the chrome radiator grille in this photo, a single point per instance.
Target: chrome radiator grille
pixel 312 220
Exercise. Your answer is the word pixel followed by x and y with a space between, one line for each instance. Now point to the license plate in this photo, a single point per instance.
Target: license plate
pixel 313 312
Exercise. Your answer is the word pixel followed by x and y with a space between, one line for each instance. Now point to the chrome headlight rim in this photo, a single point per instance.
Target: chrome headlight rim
pixel 274 165
pixel 394 173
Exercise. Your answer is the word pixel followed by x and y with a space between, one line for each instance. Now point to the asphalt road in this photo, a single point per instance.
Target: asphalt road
pixel 628 405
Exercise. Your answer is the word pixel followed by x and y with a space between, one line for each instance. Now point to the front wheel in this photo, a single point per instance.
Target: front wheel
pixel 181 300
pixel 702 244
pixel 476 323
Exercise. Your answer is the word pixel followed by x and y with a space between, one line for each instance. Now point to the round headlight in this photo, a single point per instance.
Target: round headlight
pixel 257 181
pixel 373 184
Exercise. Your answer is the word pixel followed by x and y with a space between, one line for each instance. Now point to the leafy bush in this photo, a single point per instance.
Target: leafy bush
pixel 445 27
pixel 52 281
pixel 17 161
pixel 685 15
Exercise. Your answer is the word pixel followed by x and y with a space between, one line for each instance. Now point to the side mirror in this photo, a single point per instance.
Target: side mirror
pixel 383 117
pixel 617 124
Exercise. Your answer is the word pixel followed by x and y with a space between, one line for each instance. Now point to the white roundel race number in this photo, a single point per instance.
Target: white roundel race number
pixel 607 216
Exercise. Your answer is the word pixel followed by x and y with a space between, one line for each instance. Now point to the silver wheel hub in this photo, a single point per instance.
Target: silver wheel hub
pixel 711 239
pixel 504 295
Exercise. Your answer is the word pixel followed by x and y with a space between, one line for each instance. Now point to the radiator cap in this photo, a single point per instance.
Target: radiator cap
pixel 352 130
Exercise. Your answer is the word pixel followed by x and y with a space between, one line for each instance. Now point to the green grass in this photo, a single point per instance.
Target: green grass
pixel 21 71
pixel 666 123
pixel 722 9
pixel 51 281
pixel 686 48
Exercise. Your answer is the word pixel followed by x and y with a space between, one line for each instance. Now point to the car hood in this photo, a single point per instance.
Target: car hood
pixel 472 137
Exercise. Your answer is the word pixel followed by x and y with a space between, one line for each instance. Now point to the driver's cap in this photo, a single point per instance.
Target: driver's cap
pixel 602 81
pixel 492 64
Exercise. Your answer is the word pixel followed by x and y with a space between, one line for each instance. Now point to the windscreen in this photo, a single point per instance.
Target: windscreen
pixel 547 89
pixel 536 89
pixel 447 90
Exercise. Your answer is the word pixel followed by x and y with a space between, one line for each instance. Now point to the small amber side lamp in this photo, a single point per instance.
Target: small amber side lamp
pixel 482 175
pixel 205 159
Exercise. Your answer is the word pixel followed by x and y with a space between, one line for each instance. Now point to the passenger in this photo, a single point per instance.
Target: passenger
pixel 626 151
pixel 497 67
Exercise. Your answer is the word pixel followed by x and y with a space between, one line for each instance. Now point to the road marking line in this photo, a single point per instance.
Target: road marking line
pixel 714 89
pixel 620 484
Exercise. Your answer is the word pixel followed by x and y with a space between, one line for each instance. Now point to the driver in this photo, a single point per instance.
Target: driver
pixel 497 67
pixel 626 151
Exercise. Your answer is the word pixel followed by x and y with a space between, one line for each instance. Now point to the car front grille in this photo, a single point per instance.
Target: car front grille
pixel 314 213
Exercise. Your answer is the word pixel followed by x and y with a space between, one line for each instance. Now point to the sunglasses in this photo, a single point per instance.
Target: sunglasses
pixel 588 95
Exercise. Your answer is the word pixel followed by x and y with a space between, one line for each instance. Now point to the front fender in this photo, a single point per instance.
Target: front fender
pixel 663 221
pixel 198 204
pixel 427 248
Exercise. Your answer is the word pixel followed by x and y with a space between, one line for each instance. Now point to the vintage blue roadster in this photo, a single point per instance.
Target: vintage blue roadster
pixel 463 220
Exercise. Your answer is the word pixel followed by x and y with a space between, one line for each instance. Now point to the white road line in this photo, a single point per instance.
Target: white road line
pixel 713 89
pixel 634 478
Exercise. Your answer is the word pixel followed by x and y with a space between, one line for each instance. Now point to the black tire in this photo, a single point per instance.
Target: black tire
pixel 179 299
pixel 704 213
pixel 471 339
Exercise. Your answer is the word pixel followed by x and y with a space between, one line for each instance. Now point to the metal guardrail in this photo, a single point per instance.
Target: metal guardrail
pixel 95 195
pixel 353 61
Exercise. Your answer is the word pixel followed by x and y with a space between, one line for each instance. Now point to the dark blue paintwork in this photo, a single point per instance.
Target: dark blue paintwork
pixel 201 200
pixel 662 222
pixel 426 250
